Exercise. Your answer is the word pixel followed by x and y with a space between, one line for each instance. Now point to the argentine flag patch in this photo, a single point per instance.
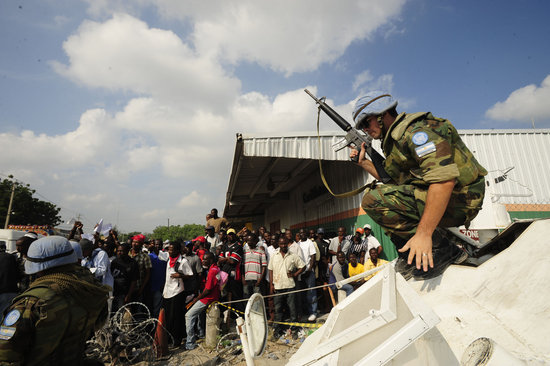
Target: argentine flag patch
pixel 425 149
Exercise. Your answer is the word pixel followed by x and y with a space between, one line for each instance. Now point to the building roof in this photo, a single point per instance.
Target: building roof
pixel 266 168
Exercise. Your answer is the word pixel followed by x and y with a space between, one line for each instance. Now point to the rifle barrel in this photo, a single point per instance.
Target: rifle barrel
pixel 344 125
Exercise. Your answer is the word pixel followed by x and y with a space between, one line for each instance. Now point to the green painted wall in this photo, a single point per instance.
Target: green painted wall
pixel 529 214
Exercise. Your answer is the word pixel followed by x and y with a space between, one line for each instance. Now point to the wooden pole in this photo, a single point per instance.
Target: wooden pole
pixel 212 327
pixel 331 295
pixel 9 206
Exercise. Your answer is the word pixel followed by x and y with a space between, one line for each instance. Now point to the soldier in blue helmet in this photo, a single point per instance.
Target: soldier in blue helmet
pixel 51 321
pixel 436 182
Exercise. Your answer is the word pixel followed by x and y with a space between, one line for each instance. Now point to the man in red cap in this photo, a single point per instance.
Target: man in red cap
pixel 200 246
pixel 144 265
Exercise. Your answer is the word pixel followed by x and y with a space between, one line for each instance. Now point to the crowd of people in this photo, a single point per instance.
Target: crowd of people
pixel 183 277
pixel 432 181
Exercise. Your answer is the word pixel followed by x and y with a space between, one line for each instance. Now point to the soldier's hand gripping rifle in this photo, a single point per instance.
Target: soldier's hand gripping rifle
pixel 353 138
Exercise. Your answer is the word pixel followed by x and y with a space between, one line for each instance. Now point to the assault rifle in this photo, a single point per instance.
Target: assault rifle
pixel 353 138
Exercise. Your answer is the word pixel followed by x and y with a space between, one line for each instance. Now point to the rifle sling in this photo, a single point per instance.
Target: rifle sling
pixel 339 195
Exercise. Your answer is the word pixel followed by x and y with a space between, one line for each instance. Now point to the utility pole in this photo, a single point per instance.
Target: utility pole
pixel 9 206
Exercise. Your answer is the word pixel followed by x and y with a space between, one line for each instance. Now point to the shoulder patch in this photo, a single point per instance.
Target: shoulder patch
pixel 6 333
pixel 420 138
pixel 12 318
pixel 425 149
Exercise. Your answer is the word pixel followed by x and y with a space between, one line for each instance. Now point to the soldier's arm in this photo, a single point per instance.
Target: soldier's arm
pixel 363 162
pixel 421 243
pixel 16 339
pixel 431 146
pixel 35 333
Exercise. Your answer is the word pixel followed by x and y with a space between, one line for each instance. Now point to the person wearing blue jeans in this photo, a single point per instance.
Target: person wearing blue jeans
pixel 311 295
pixel 209 294
pixel 153 297
pixel 308 276
pixel 338 272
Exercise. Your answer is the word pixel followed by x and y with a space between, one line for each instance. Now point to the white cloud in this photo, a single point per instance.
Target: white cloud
pixel 361 79
pixel 193 199
pixel 153 214
pixel 288 36
pixel 365 81
pixel 75 197
pixel 310 32
pixel 176 130
pixel 125 54
pixel 524 104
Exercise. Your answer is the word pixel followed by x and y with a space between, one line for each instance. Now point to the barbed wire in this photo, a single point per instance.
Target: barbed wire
pixel 127 338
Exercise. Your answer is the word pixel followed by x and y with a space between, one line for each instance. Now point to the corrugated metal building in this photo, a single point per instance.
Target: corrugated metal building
pixel 275 180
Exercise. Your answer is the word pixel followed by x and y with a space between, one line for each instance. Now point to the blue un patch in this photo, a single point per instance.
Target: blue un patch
pixel 12 318
pixel 420 138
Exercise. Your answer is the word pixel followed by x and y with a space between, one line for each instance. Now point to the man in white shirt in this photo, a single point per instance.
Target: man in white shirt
pixel 308 276
pixel 173 295
pixel 97 260
pixel 294 247
pixel 372 242
pixel 284 268
pixel 212 239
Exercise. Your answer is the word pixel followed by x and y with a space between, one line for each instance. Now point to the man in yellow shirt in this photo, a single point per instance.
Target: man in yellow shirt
pixel 354 268
pixel 373 262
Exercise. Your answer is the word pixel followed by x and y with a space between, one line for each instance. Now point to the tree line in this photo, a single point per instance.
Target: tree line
pixel 26 209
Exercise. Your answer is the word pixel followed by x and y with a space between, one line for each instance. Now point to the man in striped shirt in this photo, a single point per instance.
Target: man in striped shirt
pixel 230 262
pixel 255 265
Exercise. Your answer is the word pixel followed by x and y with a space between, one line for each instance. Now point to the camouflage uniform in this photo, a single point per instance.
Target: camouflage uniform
pixel 50 322
pixel 420 150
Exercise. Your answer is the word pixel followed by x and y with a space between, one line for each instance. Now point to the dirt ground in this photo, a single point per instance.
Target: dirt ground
pixel 276 353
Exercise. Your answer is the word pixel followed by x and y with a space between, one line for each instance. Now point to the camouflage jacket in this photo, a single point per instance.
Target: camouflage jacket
pixel 50 322
pixel 421 149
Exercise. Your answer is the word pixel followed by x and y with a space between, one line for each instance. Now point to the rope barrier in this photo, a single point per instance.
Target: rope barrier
pixel 282 293
pixel 303 325
pixel 336 284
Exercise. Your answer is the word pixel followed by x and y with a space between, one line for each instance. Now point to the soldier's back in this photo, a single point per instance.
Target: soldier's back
pixel 50 322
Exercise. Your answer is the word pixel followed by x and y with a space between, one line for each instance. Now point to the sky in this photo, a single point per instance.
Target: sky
pixel 128 110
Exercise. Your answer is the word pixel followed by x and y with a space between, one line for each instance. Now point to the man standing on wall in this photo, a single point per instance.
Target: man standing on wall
pixel 217 222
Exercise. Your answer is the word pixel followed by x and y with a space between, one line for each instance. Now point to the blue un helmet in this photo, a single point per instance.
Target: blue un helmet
pixel 372 104
pixel 49 252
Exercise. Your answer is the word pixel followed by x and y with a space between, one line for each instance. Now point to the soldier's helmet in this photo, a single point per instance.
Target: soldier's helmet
pixel 49 252
pixel 372 104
